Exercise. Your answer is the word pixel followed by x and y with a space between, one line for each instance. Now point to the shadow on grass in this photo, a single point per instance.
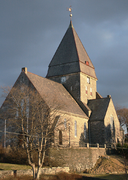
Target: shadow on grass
pixel 66 176
pixel 113 177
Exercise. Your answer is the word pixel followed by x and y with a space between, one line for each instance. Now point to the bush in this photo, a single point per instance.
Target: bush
pixel 122 150
pixel 13 155
pixel 125 145
pixel 118 145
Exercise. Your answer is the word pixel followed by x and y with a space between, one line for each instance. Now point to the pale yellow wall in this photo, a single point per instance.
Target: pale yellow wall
pixel 74 141
pixel 83 83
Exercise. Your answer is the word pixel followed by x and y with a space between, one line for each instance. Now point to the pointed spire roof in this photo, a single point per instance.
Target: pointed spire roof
pixel 71 57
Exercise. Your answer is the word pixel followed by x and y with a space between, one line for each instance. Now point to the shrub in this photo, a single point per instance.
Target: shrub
pixel 13 155
pixel 125 145
pixel 122 150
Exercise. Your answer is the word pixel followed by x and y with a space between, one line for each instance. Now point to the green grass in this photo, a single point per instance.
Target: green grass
pixel 6 166
pixel 108 176
pixel 114 177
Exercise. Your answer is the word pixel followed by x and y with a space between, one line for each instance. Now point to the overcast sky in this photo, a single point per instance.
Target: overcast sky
pixel 31 30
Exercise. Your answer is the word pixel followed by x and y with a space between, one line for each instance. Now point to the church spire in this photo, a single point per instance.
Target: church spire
pixel 72 67
pixel 71 57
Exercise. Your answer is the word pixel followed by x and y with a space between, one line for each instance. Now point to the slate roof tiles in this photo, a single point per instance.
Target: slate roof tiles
pixel 53 92
pixel 71 57
pixel 98 108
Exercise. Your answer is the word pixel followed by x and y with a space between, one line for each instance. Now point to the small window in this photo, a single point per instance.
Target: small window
pixel 86 90
pixel 63 79
pixel 60 137
pixel 88 80
pixel 85 130
pixel 90 91
pixel 17 113
pixel 22 105
pixel 22 88
pixel 87 63
pixel 75 128
pixel 65 123
pixel 22 79
pixel 112 122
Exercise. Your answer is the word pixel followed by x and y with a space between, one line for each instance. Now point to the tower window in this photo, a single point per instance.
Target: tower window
pixel 63 79
pixel 86 90
pixel 88 80
pixel 91 91
pixel 87 63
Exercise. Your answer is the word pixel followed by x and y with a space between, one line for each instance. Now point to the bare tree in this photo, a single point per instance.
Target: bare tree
pixel 122 115
pixel 29 115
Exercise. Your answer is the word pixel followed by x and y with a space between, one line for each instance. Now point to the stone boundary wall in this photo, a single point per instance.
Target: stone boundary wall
pixel 77 159
pixel 29 172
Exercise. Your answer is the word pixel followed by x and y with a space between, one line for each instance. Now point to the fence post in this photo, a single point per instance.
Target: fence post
pixel 5 133
pixel 15 173
pixel 87 145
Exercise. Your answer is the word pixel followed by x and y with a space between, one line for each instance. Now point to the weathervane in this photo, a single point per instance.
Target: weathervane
pixel 70 10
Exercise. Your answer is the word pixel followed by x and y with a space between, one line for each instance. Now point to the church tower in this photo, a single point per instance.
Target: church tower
pixel 72 67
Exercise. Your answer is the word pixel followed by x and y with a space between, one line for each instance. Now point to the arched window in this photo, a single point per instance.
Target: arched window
pixel 85 130
pixel 60 137
pixel 65 123
pixel 112 122
pixel 75 128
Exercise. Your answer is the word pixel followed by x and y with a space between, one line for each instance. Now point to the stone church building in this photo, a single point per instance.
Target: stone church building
pixel 71 79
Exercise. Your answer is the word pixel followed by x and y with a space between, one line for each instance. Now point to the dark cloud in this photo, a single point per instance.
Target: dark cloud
pixel 32 30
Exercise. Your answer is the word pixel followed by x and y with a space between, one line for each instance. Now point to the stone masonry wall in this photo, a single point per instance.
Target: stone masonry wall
pixel 112 136
pixel 71 83
pixel 77 159
pixel 69 134
pixel 29 172
pixel 84 96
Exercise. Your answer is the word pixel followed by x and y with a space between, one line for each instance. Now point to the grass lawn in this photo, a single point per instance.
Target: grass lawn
pixel 6 166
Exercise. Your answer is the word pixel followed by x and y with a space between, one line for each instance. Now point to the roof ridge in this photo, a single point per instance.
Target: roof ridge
pixel 99 99
pixel 35 74
pixel 45 78
pixel 82 46
pixel 52 87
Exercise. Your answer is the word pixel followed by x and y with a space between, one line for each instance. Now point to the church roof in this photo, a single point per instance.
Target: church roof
pixel 71 57
pixel 99 108
pixel 53 92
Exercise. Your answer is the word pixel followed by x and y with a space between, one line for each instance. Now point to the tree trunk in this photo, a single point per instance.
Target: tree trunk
pixel 34 171
pixel 38 173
